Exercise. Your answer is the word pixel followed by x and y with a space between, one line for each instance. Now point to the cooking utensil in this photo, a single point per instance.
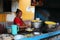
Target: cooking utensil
pixel 36 24
pixel 50 24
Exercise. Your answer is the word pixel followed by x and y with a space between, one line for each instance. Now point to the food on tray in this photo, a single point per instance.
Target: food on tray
pixel 29 35
pixel 29 29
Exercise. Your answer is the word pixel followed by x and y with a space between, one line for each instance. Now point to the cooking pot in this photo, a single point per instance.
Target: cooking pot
pixel 36 24
pixel 50 24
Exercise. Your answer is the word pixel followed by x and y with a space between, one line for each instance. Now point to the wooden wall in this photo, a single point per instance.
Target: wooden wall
pixel 2 17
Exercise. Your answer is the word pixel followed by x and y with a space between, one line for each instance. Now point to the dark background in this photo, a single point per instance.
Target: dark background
pixel 7 5
pixel 53 7
pixel 53 3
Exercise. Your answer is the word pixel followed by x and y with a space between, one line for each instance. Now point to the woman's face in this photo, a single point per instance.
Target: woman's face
pixel 20 14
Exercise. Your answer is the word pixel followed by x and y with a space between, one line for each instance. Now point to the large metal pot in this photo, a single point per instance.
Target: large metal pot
pixel 36 24
pixel 51 24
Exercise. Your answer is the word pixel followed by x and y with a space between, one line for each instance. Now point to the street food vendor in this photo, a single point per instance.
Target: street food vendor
pixel 18 20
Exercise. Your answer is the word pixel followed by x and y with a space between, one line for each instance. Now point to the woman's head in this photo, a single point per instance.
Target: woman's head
pixel 19 12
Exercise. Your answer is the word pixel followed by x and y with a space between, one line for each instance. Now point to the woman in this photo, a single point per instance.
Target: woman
pixel 18 21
